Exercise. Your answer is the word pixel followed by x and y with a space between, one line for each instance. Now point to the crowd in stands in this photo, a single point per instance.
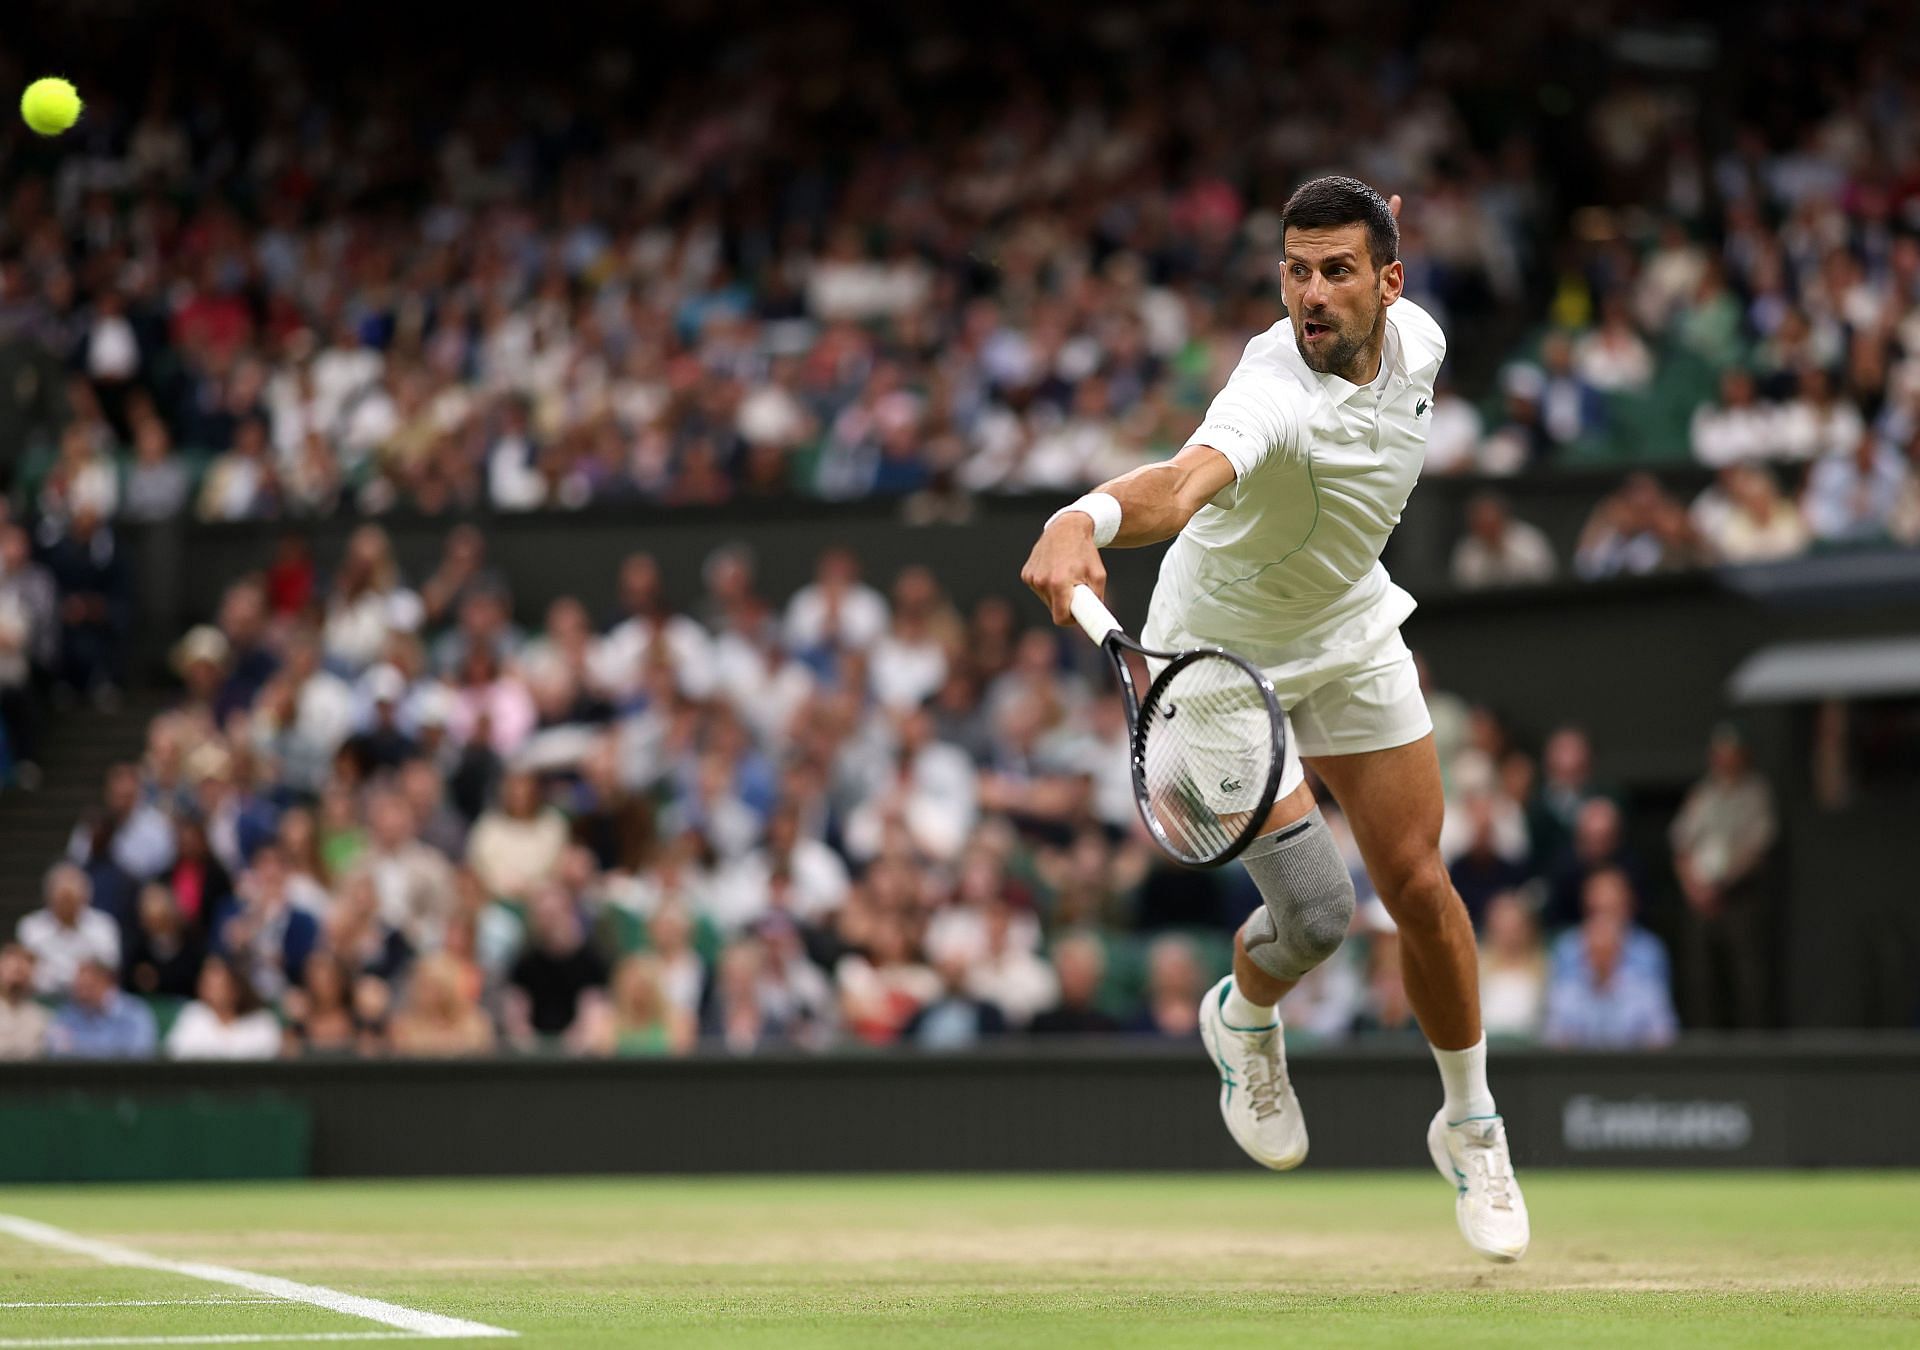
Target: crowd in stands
pixel 383 819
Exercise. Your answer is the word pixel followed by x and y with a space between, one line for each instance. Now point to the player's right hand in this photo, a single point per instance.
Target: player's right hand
pixel 1062 558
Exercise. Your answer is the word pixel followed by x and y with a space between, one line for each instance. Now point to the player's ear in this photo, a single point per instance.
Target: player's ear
pixel 1393 278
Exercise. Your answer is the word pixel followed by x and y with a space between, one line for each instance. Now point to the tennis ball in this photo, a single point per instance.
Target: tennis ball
pixel 50 106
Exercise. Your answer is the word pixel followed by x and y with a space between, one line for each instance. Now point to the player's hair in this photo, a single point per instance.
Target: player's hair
pixel 1335 200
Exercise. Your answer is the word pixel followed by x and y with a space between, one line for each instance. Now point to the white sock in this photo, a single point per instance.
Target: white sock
pixel 1242 1013
pixel 1464 1075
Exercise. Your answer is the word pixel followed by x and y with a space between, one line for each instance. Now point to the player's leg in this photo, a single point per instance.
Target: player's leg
pixel 1306 904
pixel 1393 801
pixel 1368 737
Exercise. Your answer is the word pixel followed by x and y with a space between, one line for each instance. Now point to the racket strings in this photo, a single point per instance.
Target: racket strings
pixel 1206 755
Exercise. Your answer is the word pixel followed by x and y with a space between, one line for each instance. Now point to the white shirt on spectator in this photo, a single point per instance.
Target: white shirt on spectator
pixel 1523 557
pixel 743 892
pixel 904 674
pixel 1453 441
pixel 1723 436
pixel 766 701
pixel 861 619
pixel 938 801
pixel 1806 431
pixel 514 482
pixel 618 661
pixel 198 1033
pixel 58 951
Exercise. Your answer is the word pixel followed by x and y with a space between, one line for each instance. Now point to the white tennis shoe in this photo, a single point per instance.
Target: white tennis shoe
pixel 1256 1100
pixel 1472 1155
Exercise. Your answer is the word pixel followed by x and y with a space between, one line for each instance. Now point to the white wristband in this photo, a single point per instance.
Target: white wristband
pixel 1103 508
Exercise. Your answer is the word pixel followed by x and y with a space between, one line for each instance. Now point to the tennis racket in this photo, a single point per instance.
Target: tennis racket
pixel 1209 741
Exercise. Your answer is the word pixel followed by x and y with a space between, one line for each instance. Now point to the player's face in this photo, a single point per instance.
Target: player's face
pixel 1337 299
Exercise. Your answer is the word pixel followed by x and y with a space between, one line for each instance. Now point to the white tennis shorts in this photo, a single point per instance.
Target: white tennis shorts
pixel 1361 700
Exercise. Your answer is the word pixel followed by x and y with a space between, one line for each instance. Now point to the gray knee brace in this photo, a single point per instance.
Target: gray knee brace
pixel 1308 894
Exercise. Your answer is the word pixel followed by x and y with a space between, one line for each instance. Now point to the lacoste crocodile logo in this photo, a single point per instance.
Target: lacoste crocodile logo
pixel 1229 784
pixel 1420 408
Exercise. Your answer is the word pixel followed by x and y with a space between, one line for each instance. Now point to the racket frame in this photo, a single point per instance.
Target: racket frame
pixel 1098 623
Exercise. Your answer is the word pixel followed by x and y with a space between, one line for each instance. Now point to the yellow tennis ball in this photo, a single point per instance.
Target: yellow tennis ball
pixel 50 106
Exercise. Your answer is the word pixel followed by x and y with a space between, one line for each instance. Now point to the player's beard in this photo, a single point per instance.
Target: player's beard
pixel 1341 354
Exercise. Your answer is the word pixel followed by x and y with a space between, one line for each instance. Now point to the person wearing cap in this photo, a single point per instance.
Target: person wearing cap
pixel 1721 837
pixel 200 660
pixel 382 743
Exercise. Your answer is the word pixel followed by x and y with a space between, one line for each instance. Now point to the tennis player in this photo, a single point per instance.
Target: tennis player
pixel 1278 508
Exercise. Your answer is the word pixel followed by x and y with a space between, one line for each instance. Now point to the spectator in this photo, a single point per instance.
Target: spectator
pixel 1609 894
pixel 29 648
pixel 260 932
pixel 557 977
pixel 1634 531
pixel 1570 408
pixel 66 932
pixel 517 844
pixel 241 484
pixel 367 604
pixel 383 745
pixel 133 835
pixel 1454 435
pixel 440 1018
pixel 1174 983
pixel 1819 422
pixel 164 951
pixel 1080 964
pixel 157 482
pixel 90 579
pixel 1598 844
pixel 1513 970
pixel 1481 873
pixel 321 1018
pixel 836 611
pixel 414 884
pixel 225 1021
pixel 955 1019
pixel 910 659
pixel 1613 358
pixel 1851 495
pixel 1744 518
pixel 1565 786
pixel 1521 439
pixel 23 1022
pixel 1499 550
pixel 1720 838
pixel 1604 1003
pixel 97 1021
pixel 1739 429
pixel 640 1019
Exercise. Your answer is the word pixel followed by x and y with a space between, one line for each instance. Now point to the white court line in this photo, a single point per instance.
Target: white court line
pixel 212 1340
pixel 215 1302
pixel 351 1305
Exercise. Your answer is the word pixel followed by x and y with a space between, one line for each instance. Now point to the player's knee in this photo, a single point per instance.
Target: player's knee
pixel 1418 892
pixel 1308 900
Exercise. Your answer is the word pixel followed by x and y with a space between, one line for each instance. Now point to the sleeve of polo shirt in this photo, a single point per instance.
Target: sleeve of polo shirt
pixel 1257 416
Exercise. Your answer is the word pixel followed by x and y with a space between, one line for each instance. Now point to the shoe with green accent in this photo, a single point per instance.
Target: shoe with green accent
pixel 1256 1100
pixel 1472 1155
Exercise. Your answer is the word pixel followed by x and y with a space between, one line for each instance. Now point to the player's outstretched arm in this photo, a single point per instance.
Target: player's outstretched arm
pixel 1154 502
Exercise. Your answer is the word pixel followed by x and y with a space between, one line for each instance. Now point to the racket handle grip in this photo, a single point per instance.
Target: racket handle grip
pixel 1094 618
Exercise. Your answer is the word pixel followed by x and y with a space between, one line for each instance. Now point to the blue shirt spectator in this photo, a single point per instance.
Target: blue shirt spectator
pixel 1850 498
pixel 1609 894
pixel 99 1022
pixel 1603 1003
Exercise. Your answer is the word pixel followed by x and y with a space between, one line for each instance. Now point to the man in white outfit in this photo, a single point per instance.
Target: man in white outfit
pixel 1278 508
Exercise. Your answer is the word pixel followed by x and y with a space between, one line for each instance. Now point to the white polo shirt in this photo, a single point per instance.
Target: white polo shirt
pixel 1283 566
